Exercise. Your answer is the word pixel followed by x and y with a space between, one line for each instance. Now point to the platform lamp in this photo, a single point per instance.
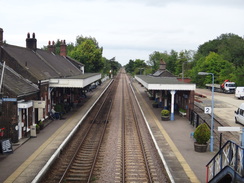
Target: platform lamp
pixel 212 111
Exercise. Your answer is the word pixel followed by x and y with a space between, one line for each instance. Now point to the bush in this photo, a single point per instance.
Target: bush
pixel 202 134
pixel 165 112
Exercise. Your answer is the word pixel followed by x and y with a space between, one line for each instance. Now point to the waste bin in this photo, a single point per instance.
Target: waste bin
pixel 33 130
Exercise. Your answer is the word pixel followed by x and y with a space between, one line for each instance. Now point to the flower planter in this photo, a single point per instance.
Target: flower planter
pixel 200 147
pixel 155 105
pixel 165 118
pixel 183 114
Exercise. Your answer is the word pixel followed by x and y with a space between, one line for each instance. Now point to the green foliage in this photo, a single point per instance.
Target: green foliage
pixel 154 59
pixel 182 110
pixel 136 67
pixel 165 112
pixel 238 76
pixel 230 46
pixel 213 63
pixel 202 134
pixel 58 108
pixel 88 52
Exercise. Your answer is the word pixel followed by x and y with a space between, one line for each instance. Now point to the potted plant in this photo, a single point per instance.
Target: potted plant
pixel 37 128
pixel 182 112
pixel 202 136
pixel 41 125
pixel 165 114
pixel 155 104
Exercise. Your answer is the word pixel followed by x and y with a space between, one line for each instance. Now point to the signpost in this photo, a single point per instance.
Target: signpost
pixel 233 129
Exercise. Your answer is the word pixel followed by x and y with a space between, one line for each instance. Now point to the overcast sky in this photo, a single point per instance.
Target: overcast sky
pixel 126 29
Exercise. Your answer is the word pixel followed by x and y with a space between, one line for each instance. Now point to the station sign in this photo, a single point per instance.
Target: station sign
pixel 9 99
pixel 229 129
pixel 39 104
pixel 207 110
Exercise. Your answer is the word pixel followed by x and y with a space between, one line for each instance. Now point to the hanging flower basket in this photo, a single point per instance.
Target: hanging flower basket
pixel 2 132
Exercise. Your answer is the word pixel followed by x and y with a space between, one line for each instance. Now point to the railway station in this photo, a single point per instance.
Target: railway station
pixel 43 82
pixel 33 81
pixel 52 139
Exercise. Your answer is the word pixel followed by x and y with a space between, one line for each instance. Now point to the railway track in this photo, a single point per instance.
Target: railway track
pixel 136 162
pixel 99 154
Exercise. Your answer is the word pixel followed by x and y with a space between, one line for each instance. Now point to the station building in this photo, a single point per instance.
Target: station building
pixel 168 91
pixel 55 79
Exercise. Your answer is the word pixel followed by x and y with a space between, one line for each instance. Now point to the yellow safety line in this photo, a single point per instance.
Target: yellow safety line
pixel 177 153
pixel 25 164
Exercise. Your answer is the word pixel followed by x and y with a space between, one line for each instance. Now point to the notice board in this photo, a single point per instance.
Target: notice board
pixel 6 146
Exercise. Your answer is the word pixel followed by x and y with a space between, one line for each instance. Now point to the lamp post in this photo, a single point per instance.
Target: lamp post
pixel 212 111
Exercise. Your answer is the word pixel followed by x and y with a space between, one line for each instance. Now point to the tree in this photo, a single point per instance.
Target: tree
pixel 154 59
pixel 88 52
pixel 171 62
pixel 213 63
pixel 230 46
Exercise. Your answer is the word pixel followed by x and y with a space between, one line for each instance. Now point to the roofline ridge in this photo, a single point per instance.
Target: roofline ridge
pixel 47 63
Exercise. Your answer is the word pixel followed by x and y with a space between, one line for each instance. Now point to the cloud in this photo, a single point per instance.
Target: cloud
pixel 126 29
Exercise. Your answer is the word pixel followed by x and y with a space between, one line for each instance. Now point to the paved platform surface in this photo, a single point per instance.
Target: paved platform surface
pixel 173 138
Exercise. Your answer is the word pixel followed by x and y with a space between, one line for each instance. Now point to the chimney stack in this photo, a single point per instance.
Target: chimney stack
pixel 63 46
pixel 51 47
pixel 31 42
pixel 162 65
pixel 1 36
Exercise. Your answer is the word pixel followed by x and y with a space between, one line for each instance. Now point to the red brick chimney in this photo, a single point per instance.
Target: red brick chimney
pixel 63 46
pixel 162 65
pixel 51 47
pixel 31 42
pixel 1 36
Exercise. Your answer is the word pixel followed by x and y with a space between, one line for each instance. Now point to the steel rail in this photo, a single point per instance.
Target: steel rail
pixel 123 133
pixel 140 139
pixel 100 143
pixel 84 137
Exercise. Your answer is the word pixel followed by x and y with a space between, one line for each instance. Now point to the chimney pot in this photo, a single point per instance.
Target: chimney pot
pixel 1 36
pixel 31 42
pixel 63 51
pixel 50 47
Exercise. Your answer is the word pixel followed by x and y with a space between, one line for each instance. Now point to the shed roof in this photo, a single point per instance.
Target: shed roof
pixel 16 84
pixel 42 64
pixel 163 83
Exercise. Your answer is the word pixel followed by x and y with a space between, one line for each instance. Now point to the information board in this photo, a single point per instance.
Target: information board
pixel 6 146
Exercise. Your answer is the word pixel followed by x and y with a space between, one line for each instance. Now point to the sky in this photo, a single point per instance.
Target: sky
pixel 126 29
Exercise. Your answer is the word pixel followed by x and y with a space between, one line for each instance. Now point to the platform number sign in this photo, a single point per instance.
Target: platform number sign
pixel 207 110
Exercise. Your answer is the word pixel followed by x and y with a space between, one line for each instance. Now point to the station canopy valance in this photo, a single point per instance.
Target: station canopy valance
pixel 163 83
pixel 79 81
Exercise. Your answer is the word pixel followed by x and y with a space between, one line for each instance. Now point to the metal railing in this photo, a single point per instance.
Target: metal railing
pixel 230 155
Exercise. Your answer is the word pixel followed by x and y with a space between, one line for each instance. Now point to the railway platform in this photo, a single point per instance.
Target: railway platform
pixel 173 139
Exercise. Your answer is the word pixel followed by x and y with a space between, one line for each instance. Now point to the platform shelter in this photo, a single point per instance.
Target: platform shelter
pixel 168 91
